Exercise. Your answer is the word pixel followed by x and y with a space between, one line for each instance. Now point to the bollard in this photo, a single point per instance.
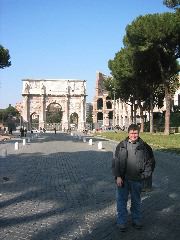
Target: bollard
pixel 24 142
pixel 29 140
pixel 16 146
pixel 90 141
pixel 99 145
pixel 84 139
pixel 4 153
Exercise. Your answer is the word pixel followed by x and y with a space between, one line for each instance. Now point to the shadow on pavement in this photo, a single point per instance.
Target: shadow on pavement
pixel 71 195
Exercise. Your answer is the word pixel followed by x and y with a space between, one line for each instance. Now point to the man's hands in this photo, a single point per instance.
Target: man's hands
pixel 119 182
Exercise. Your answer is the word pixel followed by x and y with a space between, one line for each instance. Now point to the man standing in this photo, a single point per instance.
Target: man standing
pixel 133 162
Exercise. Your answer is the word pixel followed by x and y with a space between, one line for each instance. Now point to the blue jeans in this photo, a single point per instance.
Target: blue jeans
pixel 134 188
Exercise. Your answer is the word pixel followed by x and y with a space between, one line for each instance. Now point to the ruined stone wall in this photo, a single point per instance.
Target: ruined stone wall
pixel 101 95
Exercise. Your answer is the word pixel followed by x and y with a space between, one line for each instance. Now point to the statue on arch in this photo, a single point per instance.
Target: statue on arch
pixel 26 89
pixel 83 89
pixel 43 89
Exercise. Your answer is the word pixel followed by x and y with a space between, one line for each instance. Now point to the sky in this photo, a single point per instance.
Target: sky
pixel 63 39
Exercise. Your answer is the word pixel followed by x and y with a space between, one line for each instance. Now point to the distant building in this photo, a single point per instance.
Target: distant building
pixel 176 98
pixel 89 109
pixel 175 101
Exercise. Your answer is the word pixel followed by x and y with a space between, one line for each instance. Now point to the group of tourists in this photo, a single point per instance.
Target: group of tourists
pixel 23 132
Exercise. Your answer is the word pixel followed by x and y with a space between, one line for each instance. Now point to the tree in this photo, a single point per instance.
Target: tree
pixel 12 111
pixel 123 76
pixel 135 77
pixel 122 71
pixel 89 118
pixel 147 74
pixel 9 115
pixel 4 57
pixel 172 3
pixel 159 33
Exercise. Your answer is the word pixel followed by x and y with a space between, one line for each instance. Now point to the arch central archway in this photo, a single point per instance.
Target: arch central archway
pixel 54 116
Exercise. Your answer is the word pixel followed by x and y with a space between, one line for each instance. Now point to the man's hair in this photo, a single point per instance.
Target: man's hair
pixel 133 127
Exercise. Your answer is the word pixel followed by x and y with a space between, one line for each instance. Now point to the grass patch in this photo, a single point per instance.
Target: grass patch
pixel 159 141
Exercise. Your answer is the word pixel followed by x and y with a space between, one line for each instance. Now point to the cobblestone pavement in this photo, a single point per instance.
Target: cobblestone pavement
pixel 61 188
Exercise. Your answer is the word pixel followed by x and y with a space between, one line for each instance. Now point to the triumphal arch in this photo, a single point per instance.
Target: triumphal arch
pixel 66 97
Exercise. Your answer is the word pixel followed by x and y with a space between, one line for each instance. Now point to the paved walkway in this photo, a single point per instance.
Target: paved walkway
pixel 60 188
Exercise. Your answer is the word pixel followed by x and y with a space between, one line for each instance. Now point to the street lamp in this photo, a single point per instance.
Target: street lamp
pixel 114 92
pixel 20 120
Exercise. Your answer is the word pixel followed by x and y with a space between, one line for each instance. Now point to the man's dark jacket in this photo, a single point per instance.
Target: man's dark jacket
pixel 146 166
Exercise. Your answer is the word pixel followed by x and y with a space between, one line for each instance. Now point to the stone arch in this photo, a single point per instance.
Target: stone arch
pixel 34 120
pixel 99 116
pixel 100 119
pixel 100 103
pixel 110 118
pixel 110 114
pixel 69 94
pixel 109 105
pixel 108 98
pixel 74 118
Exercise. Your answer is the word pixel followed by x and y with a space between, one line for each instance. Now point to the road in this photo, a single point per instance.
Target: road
pixel 58 187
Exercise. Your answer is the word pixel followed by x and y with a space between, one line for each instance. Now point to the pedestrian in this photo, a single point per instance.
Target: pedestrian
pixel 21 132
pixel 55 130
pixel 10 131
pixel 133 162
pixel 25 132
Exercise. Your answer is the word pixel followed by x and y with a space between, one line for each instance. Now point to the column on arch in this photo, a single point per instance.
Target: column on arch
pixel 104 110
pixel 65 118
pixel 83 112
pixel 67 112
pixel 26 111
pixel 42 115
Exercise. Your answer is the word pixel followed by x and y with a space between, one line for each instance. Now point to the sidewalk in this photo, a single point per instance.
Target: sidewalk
pixel 59 188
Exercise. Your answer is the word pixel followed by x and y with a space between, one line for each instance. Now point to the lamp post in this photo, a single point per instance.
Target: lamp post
pixel 114 92
pixel 20 120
